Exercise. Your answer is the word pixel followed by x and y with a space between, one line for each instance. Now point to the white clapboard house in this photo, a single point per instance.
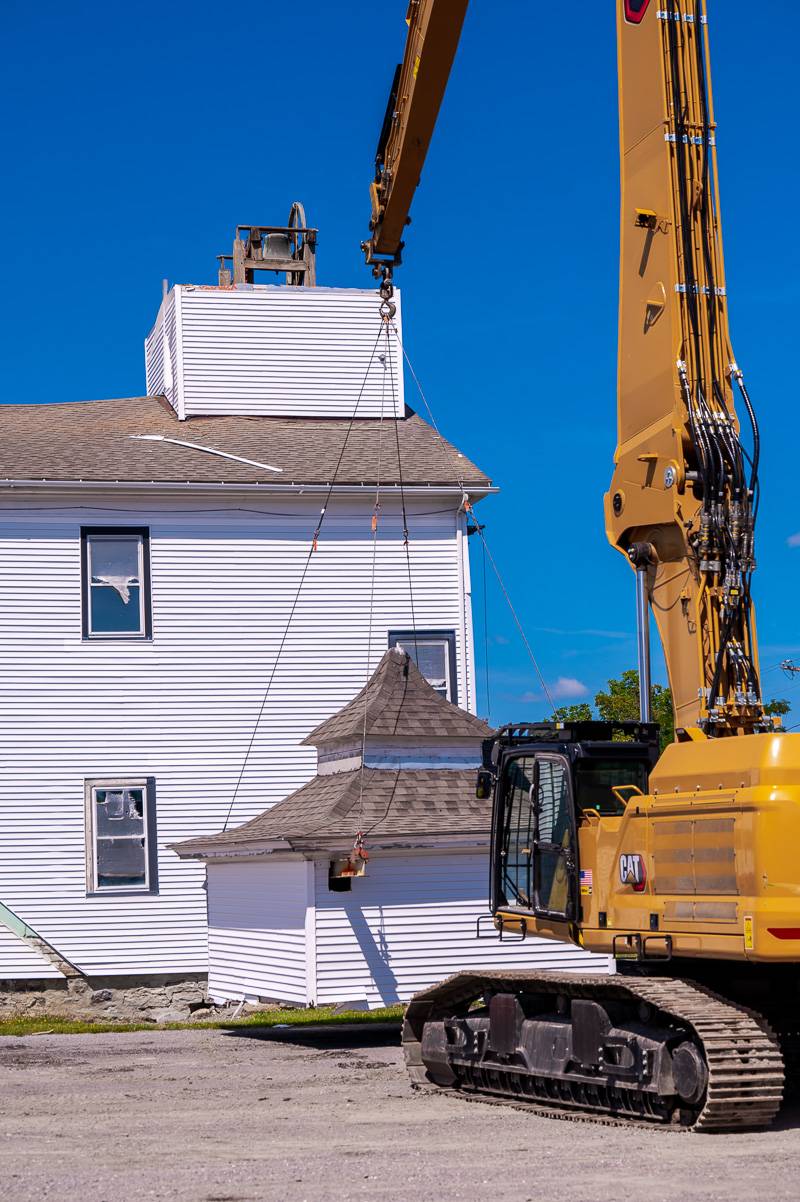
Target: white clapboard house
pixel 151 552
pixel 370 882
pixel 161 663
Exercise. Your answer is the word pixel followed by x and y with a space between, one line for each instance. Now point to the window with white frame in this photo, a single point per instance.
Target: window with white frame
pixel 121 843
pixel 434 653
pixel 115 564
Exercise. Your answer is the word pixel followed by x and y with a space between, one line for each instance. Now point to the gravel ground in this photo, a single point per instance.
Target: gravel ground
pixel 212 1116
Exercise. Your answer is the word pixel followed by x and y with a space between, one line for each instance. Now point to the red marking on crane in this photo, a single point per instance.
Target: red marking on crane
pixel 635 10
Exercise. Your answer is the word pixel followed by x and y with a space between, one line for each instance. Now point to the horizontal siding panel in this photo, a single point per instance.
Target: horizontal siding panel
pixel 154 352
pixel 256 931
pixel 279 351
pixel 183 707
pixel 19 960
pixel 412 921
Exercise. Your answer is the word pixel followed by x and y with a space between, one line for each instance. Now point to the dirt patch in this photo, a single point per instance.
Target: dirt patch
pixel 208 1116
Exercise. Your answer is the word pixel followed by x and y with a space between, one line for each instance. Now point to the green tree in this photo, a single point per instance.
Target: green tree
pixel 582 712
pixel 621 704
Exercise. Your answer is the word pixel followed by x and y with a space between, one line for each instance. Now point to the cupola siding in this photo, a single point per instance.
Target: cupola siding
pixel 275 351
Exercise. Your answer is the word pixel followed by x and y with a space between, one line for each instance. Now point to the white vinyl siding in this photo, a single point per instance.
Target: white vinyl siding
pixel 21 961
pixel 161 382
pixel 404 926
pixel 256 931
pixel 273 350
pixel 181 708
pixel 410 922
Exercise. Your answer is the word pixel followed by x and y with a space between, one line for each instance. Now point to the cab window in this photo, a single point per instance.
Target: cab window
pixel 596 779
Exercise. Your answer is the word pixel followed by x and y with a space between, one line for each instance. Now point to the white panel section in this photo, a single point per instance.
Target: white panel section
pixel 159 382
pixel 19 960
pixel 281 351
pixel 256 931
pixel 183 707
pixel 410 922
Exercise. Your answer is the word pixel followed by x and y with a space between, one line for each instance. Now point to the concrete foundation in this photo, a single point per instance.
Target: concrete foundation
pixel 156 999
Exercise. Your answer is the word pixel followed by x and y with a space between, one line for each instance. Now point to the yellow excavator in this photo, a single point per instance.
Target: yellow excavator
pixel 683 866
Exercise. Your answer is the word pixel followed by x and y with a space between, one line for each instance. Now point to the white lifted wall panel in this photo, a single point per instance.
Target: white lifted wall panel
pixel 162 369
pixel 256 931
pixel 182 708
pixel 412 921
pixel 271 350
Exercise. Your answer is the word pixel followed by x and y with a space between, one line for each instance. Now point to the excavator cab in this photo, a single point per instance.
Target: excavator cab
pixel 548 779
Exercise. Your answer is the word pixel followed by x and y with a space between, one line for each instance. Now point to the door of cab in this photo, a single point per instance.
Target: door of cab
pixel 535 838
pixel 554 840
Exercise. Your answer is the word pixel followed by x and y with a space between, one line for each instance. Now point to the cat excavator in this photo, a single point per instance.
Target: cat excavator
pixel 681 866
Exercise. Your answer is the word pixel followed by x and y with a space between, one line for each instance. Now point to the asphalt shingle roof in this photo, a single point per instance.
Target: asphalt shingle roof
pixel 381 802
pixel 91 441
pixel 400 803
pixel 400 703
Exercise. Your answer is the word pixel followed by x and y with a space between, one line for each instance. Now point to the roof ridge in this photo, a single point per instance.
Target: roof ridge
pixel 399 702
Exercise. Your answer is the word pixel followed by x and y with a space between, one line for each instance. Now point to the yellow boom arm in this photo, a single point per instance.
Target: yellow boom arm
pixel 683 497
pixel 434 27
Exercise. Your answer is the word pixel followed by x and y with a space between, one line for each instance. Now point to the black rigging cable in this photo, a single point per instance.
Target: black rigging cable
pixel 306 565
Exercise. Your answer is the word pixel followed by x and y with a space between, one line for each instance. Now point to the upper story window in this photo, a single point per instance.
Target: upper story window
pixel 434 653
pixel 121 842
pixel 115 563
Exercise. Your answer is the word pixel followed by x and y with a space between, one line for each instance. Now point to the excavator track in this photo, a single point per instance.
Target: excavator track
pixel 741 1054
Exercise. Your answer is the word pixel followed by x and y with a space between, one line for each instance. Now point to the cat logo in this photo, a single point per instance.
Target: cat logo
pixel 633 872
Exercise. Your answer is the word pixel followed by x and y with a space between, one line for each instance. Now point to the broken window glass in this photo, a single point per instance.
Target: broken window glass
pixel 120 838
pixel 121 863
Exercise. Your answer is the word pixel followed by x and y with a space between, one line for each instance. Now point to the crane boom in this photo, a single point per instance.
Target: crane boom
pixel 434 27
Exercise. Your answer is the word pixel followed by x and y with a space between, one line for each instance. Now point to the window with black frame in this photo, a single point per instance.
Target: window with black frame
pixel 434 653
pixel 116 582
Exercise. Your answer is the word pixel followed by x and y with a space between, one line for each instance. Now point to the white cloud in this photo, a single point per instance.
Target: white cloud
pixel 794 540
pixel 565 688
pixel 568 686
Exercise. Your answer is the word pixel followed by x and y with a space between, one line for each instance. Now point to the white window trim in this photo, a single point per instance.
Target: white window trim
pixel 120 782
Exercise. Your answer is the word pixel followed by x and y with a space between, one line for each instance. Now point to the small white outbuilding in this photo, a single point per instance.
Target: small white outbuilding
pixel 396 769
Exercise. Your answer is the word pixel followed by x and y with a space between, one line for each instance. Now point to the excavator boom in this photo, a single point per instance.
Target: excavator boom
pixel 683 500
pixel 681 867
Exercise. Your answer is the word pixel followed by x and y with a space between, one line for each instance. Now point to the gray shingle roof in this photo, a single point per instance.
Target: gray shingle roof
pixel 400 703
pixel 397 804
pixel 91 441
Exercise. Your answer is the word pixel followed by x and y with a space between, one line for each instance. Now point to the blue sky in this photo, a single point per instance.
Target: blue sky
pixel 142 134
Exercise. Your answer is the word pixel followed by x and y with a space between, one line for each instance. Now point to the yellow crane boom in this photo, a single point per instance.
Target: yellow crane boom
pixel 434 28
